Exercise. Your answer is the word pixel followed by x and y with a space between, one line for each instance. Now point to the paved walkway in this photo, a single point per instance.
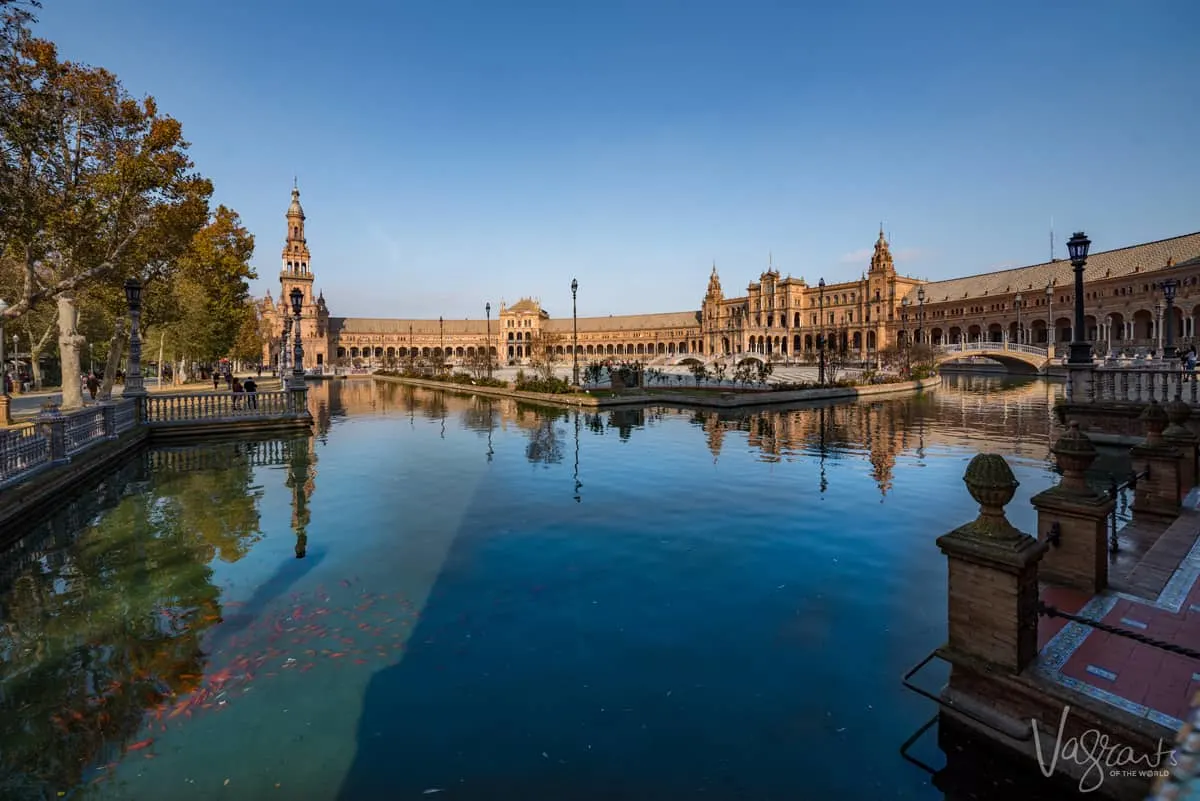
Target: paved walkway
pixel 1139 678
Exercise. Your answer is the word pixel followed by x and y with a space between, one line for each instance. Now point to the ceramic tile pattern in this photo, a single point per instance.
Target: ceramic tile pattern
pixel 1141 679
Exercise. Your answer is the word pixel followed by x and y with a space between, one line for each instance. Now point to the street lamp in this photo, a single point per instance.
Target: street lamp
pixel 91 358
pixel 1168 287
pixel 487 350
pixel 441 344
pixel 5 414
pixel 297 296
pixel 133 377
pixel 1077 246
pixel 920 313
pixel 821 333
pixel 1017 303
pixel 574 334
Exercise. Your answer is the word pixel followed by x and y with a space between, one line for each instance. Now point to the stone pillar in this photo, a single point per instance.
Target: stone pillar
pixel 52 425
pixel 1158 494
pixel 993 587
pixel 1073 519
pixel 1079 382
pixel 1178 435
pixel 109 410
pixel 69 342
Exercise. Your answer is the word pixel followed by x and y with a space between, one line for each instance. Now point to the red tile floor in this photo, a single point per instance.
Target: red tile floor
pixel 1139 678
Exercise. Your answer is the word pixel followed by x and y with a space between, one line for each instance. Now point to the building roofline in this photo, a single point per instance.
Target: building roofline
pixel 1060 261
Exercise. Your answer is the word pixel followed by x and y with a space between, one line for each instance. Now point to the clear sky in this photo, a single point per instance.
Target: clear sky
pixel 453 152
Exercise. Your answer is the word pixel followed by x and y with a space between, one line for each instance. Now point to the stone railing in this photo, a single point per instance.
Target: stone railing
pixel 55 437
pixel 980 347
pixel 216 406
pixel 1142 385
pixel 23 451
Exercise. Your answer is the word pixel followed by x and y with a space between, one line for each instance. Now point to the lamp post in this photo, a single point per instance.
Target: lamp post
pixel 821 333
pixel 5 413
pixel 920 314
pixel 1077 246
pixel 1017 302
pixel 283 345
pixel 441 344
pixel 1050 317
pixel 412 356
pixel 574 334
pixel 133 376
pixel 487 349
pixel 297 297
pixel 91 358
pixel 1168 287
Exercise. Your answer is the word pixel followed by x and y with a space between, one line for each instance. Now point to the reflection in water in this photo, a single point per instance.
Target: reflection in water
pixel 695 622
pixel 105 607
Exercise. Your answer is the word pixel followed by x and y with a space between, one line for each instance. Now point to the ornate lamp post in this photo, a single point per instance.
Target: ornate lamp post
pixel 1077 246
pixel 821 333
pixel 442 343
pixel 1049 317
pixel 297 297
pixel 5 414
pixel 903 320
pixel 1017 301
pixel 1168 287
pixel 487 349
pixel 574 334
pixel 920 313
pixel 283 345
pixel 133 376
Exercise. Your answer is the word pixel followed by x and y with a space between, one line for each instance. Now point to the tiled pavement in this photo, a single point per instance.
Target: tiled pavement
pixel 1139 678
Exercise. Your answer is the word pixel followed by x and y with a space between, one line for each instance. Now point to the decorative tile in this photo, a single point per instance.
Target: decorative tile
pixel 1101 672
pixel 1107 697
pixel 1161 719
pixel 1182 581
pixel 1137 624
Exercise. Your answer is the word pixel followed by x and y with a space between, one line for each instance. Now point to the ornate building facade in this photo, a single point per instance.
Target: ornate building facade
pixel 777 316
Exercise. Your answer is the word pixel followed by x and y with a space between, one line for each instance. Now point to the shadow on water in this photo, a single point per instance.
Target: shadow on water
pixel 547 673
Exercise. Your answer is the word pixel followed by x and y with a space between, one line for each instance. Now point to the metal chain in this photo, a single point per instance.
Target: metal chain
pixel 1050 611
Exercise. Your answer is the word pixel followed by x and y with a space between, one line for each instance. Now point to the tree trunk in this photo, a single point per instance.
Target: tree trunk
pixel 116 349
pixel 69 342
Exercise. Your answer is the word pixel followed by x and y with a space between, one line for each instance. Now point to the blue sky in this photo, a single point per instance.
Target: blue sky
pixel 453 152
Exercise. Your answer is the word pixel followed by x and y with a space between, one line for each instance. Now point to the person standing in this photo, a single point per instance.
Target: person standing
pixel 251 388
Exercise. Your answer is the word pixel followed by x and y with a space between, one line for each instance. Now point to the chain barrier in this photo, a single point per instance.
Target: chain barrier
pixel 1047 610
pixel 1116 493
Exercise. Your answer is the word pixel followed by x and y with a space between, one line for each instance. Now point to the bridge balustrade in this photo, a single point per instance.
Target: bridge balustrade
pixel 56 437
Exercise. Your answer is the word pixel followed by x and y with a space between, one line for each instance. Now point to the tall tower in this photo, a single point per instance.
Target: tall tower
pixel 296 273
pixel 296 270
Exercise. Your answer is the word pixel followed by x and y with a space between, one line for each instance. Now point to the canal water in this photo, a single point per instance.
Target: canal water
pixel 452 596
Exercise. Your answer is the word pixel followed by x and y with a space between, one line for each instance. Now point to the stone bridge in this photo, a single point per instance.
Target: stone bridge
pixel 1007 353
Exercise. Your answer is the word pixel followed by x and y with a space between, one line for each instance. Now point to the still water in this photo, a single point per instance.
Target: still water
pixel 451 596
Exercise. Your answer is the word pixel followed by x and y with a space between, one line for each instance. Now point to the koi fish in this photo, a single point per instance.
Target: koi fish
pixel 140 745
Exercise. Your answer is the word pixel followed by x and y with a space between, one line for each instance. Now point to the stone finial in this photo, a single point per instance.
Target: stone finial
pixel 1178 413
pixel 1074 453
pixel 1154 417
pixel 992 484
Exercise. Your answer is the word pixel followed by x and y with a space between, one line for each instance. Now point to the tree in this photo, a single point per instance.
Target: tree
pixel 837 356
pixel 541 353
pixel 248 346
pixel 478 362
pixel 95 182
pixel 210 295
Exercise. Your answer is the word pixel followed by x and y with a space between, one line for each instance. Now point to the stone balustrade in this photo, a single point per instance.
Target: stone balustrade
pixel 198 407
pixel 55 437
pixel 1142 385
pixel 23 451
